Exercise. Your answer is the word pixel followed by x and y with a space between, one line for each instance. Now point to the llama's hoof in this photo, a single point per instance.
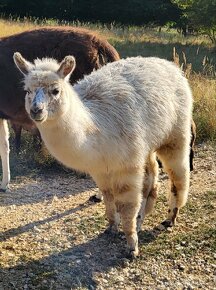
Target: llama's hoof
pixel 111 231
pixel 82 175
pixel 94 198
pixel 4 189
pixel 132 254
pixel 167 223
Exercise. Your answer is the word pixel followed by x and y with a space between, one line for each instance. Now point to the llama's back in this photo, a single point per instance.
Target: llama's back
pixel 138 98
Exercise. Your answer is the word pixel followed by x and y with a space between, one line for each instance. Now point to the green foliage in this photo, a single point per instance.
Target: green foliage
pixel 200 15
pixel 140 12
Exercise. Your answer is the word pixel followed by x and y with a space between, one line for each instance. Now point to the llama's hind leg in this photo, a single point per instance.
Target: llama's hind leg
pixel 4 152
pixel 150 188
pixel 176 164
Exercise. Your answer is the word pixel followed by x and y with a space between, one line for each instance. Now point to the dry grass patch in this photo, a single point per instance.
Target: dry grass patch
pixel 8 28
pixel 204 91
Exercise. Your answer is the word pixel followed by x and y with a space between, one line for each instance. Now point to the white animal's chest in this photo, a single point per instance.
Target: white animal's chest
pixel 61 146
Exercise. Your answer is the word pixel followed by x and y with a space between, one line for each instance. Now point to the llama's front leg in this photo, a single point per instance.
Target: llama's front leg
pixel 106 194
pixel 128 200
pixel 147 205
pixel 111 212
pixel 150 188
pixel 4 152
pixel 128 212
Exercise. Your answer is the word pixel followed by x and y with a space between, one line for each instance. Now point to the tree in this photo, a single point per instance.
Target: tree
pixel 200 14
pixel 137 12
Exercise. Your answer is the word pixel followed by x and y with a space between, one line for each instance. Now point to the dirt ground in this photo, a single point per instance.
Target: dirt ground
pixel 52 236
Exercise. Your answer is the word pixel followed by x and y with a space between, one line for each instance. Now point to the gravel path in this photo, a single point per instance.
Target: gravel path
pixel 52 236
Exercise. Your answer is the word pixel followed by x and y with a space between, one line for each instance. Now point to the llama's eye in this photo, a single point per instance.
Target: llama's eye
pixel 55 92
pixel 28 91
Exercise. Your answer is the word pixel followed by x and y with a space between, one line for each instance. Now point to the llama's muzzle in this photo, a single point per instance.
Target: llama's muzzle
pixel 38 105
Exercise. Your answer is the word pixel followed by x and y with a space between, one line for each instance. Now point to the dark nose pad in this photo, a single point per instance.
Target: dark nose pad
pixel 37 108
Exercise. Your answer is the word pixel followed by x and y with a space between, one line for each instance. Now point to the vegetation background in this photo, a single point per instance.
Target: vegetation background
pixel 197 14
pixel 181 31
pixel 140 27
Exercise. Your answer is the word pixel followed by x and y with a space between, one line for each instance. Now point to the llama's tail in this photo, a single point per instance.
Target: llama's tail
pixel 193 138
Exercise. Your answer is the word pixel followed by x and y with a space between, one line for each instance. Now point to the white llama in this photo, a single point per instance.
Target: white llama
pixel 110 124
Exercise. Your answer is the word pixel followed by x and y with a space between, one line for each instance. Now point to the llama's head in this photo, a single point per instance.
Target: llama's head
pixel 46 84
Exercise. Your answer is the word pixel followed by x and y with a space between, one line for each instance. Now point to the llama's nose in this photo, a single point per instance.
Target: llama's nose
pixel 37 108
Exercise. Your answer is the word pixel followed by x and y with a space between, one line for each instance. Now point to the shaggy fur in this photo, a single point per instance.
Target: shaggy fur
pixel 110 124
pixel 91 52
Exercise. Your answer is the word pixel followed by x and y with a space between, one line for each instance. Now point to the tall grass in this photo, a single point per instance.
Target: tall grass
pixel 204 91
pixel 203 85
pixel 195 54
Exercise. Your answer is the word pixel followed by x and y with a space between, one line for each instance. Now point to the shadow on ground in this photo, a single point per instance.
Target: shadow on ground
pixel 28 227
pixel 45 187
pixel 79 266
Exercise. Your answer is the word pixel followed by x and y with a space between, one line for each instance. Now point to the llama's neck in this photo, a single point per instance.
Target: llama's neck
pixel 78 117
pixel 67 138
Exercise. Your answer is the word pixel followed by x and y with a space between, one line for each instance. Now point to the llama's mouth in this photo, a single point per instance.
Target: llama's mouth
pixel 40 120
pixel 37 117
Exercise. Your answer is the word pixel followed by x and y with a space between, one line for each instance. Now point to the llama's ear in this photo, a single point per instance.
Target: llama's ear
pixel 23 65
pixel 67 66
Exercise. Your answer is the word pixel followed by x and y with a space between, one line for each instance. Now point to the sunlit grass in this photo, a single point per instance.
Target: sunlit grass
pixel 132 34
pixel 204 91
pixel 8 28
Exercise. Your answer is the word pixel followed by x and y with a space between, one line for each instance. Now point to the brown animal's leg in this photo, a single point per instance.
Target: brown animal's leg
pixel 38 142
pixel 17 130
pixel 192 143
pixel 175 162
pixel 127 189
pixel 4 152
pixel 150 188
